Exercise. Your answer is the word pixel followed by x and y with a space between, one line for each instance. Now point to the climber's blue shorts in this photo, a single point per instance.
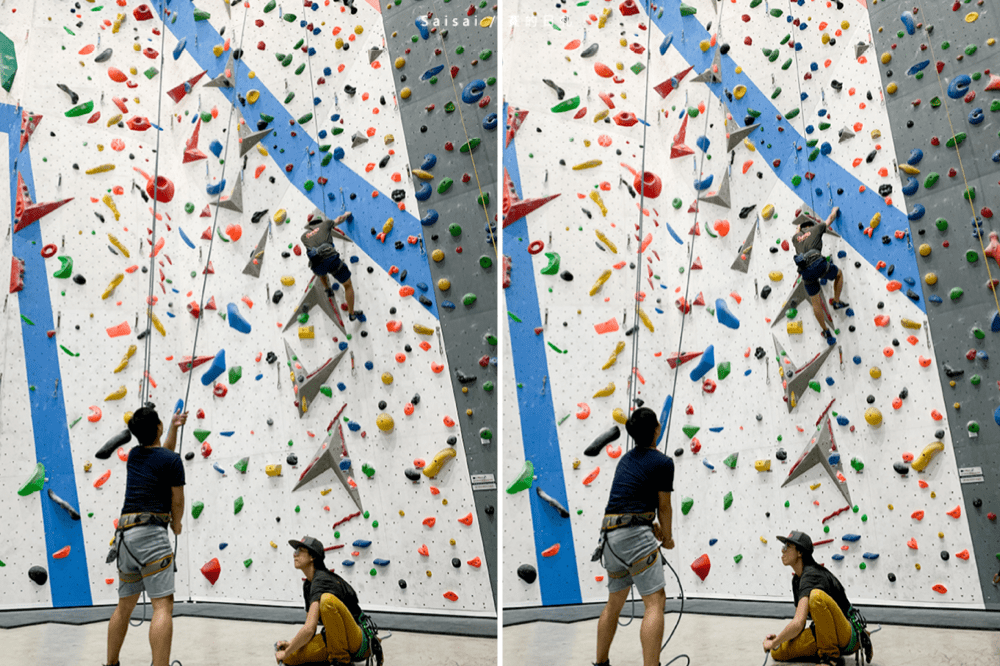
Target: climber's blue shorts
pixel 632 556
pixel 821 270
pixel 333 265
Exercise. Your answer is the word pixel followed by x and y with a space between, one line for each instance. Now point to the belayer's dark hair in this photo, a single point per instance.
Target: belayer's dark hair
pixel 641 426
pixel 143 425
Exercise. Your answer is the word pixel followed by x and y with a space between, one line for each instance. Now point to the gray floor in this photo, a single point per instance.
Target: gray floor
pixel 736 641
pixel 212 642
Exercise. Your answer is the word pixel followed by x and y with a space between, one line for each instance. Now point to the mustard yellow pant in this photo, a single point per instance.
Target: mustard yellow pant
pixel 833 632
pixel 343 636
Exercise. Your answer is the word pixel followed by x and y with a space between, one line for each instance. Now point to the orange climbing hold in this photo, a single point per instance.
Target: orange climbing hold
pixel 940 589
pixel 550 551
pixel 893 285
pixel 429 522
pixel 61 553
pixel 917 515
pixel 613 452
pixel 103 479
pixel 95 414
pixel 450 596
pixel 467 520
pixel 924 362
pixel 394 326
pixel 956 512
pixel 964 555
pixel 423 550
pixel 449 422
pixel 590 477
pixel 882 320
pixel 406 291
pixel 119 330
pixel 436 368
pixel 936 415
pixel 475 562
pixel 912 543
pixel 234 231
pixel 609 326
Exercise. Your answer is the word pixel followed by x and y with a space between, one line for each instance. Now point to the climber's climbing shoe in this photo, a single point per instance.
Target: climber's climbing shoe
pixel 838 305
pixel 359 316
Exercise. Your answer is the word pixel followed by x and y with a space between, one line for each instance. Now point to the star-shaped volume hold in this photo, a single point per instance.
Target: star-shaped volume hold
pixel 26 211
pixel 307 384
pixel 332 454
pixel 514 208
pixel 820 450
pixel 795 380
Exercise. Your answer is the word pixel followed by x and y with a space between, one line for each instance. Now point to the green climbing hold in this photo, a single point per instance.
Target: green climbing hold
pixel 235 373
pixel 523 480
pixel 791 114
pixel 488 386
pixel 514 316
pixel 290 18
pixel 737 558
pixel 288 98
pixel 196 509
pixel 444 185
pixel 483 200
pixel 975 380
pixel 241 465
pixel 687 10
pixel 326 159
pixel 470 145
pixel 566 105
pixel 731 460
pixel 690 431
pixel 553 267
pixel 753 113
pixel 995 105
pixel 970 194
pixel 368 470
pixel 727 501
pixel 201 15
pixel 485 261
pixel 787 504
pixel 676 203
pixel 862 566
pixel 941 224
pixel 326 390
pixel 956 293
pixel 485 54
pixel 337 130
pixel 557 350
pixel 796 180
pixel 693 111
pixel 637 67
pixel 449 107
pixel 491 339
pixel 786 65
pixel 814 385
pixel 27 321
pixel 189 208
pixel 485 433
pixel 792 313
pixel 857 464
pixel 813 155
pixel 34 482
pixel 957 140
pixel 80 109
pixel 973 426
pixel 247 562
pixel 8 62
pixel 931 180
pixel 309 185
pixel 202 435
pixel 455 229
pixel 686 504
pixel 776 13
pixel 468 299
pixel 754 3
pixel 935 102
pixel 238 505
pixel 971 256
pixel 724 369
pixel 65 268
pixel 151 72
pixel 970 49
pixel 304 119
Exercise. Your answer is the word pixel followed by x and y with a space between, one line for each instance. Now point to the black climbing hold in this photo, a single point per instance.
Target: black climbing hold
pixel 79 279
pixel 836 85
pixel 382 404
pixel 276 296
pixel 452 441
pixel 38 575
pixel 851 328
pixel 744 212
pixel 560 93
pixel 759 353
pixel 892 578
pixel 407 348
pixel 952 372
pixel 423 299
pixel 781 454
pixel 977 502
pixel 292 459
pixel 121 439
pixel 939 434
pixel 189 455
pixel 271 357
pixel 270 422
pixel 370 270
pixel 639 402
pixel 385 160
pixel 464 378
pixel 765 292
pixel 871 156
pixel 880 305
pixel 885 189
pixel 566 275
pixel 895 342
pixel 398 195
pixel 901 467
pixel 870 399
pixel 912 295
pixel 892 269
pixel 455 562
pixel 412 474
pixel 73 97
pixel 678 452
pixel 724 49
pixel 602 440
pixel 760 417
pixel 364 334
pixel 904 393
pixel 256 217
pixel 945 556
pixel 399 245
pixel 527 573
pixel 774 250
pixel 402 584
pixel 415 399
pixel 490 510
pixel 857 264
pixel 350 90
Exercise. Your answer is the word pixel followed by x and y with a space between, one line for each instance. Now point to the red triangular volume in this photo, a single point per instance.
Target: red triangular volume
pixel 676 359
pixel 515 208
pixel 187 364
pixel 26 211
pixel 695 229
pixel 209 269
pixel 211 304
pixel 192 154
pixel 206 212
pixel 29 122
pixel 668 86
pixel 515 117
pixel 678 149
pixel 693 208
pixel 994 83
pixel 211 570
pixel 701 297
pixel 207 234
pixel 696 266
pixel 178 93
pixel 16 275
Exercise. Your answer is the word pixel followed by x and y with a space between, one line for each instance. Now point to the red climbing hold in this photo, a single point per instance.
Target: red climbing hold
pixel 912 543
pixel 940 589
pixel 917 515
pixel 467 520
pixel 211 570
pixel 61 553
pixel 956 512
pixel 701 566
pixel 964 555
pixel 450 596
pixel 550 551
pixel 16 275
pixel 423 550
pixel 475 562
pixel 142 13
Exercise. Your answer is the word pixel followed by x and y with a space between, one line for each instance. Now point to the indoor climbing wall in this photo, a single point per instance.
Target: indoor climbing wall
pixel 445 73
pixel 754 113
pixel 937 67
pixel 285 391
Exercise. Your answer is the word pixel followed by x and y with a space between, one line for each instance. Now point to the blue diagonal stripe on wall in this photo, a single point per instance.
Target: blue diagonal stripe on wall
pixel 558 578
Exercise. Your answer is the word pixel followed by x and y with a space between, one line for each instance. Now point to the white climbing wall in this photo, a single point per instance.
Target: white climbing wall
pixel 62 149
pixel 549 144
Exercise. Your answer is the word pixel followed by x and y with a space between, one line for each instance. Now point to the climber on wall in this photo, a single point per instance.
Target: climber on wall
pixel 813 267
pixel 837 629
pixel 631 536
pixel 154 499
pixel 324 258
pixel 348 634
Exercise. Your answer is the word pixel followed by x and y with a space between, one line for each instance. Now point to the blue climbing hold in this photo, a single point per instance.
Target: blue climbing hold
pixel 339 153
pixel 342 346
pixel 919 67
pixel 424 192
pixel 915 156
pixel 222 546
pixel 422 286
pixel 917 213
pixel 425 32
pixel 473 91
pixel 834 459
pixel 447 305
pixel 704 183
pixel 959 85
pixel 857 360
pixel 712 542
pixel 704 461
pixel 341 386
pixel 361 543
pixel 179 49
pixel 826 148
pixel 706 363
pixel 664 45
pixel 935 299
pixel 490 122
pixel 237 320
pixel 213 190
pixel 870 556
pixel 829 381
pixel 369 365
pixel 664 416
pixel 851 537
pixel 380 562
pixel 345 464
pixel 909 23
pixel 347 563
pixel 725 315
pixel 995 324
pixel 216 147
pixel 430 159
pixel 673 234
pixel 910 281
pixel 431 73
pixel 911 187
pixel 976 116
pixel 842 254
pixel 353 426
pixel 217 368
pixel 702 142
pixel 838 557
pixel 227 433
pixel 842 420
pixel 184 237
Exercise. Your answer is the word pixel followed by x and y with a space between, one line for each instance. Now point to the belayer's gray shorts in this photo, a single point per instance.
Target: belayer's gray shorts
pixel 146 562
pixel 632 556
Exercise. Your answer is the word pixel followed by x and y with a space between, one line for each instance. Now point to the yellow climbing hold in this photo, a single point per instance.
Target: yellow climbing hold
pixel 604 239
pixel 815 486
pixel 124 364
pixel 253 96
pixel 606 391
pixel 619 415
pixel 399 62
pixel 991 41
pixel 104 168
pixel 971 17
pixel 825 38
pixel 619 348
pixel 876 134
pixel 645 320
pixel 739 70
pixel 420 329
pixel 280 215
pixel 117 24
pixel 117 395
pixel 486 22
pixel 274 545
pixel 156 322
pixel 261 149
pixel 114 120
pixel 601 115
pixel 794 328
pixel 117 243
pixel 892 88
pixel 909 323
pixel 875 373
pixel 444 284
pixel 909 170
pixel 358 29
pixel 115 281
pixel 385 422
pixel 845 25
pixel 444 455
pixel 740 91
pixel 287 280
pixel 217 50
pixel 387 227
pixel 886 58
pixel 307 333
pixel 775 276
pixel 596 198
pixel 273 470
pixel 589 164
pixel 438 255
pixel 423 175
pixel 749 145
pixel 605 15
pixel 930 278
pixel 600 282
pixel 705 45
pixel 875 221
pixel 405 92
pixel 389 139
pixel 925 457
pixel 127 418
pixel 576 463
pixel 339 44
pixel 873 416
pixel 387 378
pixel 924 250
pixel 768 212
pixel 762 466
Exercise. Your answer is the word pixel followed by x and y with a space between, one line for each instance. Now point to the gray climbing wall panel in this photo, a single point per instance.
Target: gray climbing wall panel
pixel 935 68
pixel 444 68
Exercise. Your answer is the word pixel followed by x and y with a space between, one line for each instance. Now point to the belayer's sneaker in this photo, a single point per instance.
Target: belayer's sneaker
pixel 359 316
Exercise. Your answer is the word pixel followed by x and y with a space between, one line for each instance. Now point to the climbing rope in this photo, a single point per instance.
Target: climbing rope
pixel 461 116
pixel 978 230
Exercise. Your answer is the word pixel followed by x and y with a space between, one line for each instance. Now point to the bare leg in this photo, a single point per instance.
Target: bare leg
pixel 349 296
pixel 608 624
pixel 817 303
pixel 651 631
pixel 838 285
pixel 161 630
pixel 325 280
pixel 118 626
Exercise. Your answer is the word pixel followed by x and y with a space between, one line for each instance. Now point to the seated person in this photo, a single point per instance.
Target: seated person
pixel 837 628
pixel 813 267
pixel 348 634
pixel 324 258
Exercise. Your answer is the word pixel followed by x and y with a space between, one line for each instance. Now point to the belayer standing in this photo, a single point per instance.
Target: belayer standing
pixel 637 521
pixel 813 267
pixel 324 258
pixel 154 499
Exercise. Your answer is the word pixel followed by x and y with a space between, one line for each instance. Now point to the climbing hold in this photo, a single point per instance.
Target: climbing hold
pixel 211 570
pixel 37 574
pixel 527 573
pixel 435 466
pixel 701 566
pixel 34 482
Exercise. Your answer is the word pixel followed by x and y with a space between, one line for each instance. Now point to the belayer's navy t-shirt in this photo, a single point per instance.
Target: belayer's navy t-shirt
pixel 642 473
pixel 152 472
